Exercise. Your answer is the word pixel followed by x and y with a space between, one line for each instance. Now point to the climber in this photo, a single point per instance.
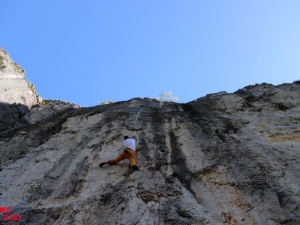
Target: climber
pixel 127 153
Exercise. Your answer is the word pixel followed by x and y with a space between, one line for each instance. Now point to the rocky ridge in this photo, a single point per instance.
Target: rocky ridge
pixel 221 159
pixel 14 87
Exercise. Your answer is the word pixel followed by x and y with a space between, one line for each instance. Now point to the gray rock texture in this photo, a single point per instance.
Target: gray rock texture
pixel 14 87
pixel 221 159
pixel 17 94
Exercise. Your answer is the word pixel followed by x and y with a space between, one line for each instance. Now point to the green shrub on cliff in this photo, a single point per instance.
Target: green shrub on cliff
pixel 183 213
pixel 2 66
pixel 105 102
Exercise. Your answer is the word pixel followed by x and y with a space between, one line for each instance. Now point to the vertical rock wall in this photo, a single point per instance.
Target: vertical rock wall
pixel 221 159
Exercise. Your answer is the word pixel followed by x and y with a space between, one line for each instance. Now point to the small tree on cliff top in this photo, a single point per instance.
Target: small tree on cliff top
pixel 166 97
pixel 105 102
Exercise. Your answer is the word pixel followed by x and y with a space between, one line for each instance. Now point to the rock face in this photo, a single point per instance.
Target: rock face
pixel 221 159
pixel 14 87
pixel 17 94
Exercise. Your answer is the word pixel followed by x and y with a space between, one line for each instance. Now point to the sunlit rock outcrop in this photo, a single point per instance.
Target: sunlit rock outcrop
pixel 14 87
pixel 17 94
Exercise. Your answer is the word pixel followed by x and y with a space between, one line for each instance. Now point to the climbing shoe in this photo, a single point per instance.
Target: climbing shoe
pixel 102 164
pixel 135 167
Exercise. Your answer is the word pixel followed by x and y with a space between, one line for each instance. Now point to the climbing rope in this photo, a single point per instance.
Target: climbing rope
pixel 155 187
pixel 19 208
pixel 136 154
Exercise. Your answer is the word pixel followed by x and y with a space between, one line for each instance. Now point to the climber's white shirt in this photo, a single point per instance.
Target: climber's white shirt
pixel 129 143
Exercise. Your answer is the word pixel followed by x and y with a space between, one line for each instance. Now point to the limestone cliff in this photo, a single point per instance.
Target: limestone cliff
pixel 14 87
pixel 221 159
pixel 17 94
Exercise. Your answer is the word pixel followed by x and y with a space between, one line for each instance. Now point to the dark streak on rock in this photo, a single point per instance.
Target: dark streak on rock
pixel 179 164
pixel 77 180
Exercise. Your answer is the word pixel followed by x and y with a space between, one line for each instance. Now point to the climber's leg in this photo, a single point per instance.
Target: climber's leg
pixel 121 157
pixel 132 161
pixel 129 155
pixel 131 158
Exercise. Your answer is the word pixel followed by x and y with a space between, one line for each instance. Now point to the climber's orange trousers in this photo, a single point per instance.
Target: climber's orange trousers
pixel 130 156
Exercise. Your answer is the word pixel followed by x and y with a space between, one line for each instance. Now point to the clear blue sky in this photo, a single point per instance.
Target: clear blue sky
pixel 85 51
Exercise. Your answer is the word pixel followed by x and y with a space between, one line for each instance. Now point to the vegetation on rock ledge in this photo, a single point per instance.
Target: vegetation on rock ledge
pixel 2 66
